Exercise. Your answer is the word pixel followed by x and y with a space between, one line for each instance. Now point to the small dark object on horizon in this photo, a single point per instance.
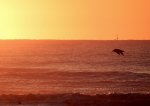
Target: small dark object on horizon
pixel 118 51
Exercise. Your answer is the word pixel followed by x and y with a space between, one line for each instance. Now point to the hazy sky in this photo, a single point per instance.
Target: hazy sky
pixel 74 19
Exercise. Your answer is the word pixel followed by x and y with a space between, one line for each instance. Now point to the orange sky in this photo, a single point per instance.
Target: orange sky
pixel 74 19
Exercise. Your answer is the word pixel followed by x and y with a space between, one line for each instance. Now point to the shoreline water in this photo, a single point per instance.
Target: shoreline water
pixel 71 68
pixel 76 100
pixel 47 81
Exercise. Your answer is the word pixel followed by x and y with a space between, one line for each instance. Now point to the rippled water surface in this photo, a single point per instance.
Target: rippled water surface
pixel 74 66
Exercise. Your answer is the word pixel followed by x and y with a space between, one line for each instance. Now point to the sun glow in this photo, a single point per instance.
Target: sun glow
pixel 79 19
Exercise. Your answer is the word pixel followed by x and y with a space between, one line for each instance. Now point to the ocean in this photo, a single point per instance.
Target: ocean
pixel 85 67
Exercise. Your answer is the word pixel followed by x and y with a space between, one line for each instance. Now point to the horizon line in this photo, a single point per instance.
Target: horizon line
pixel 79 39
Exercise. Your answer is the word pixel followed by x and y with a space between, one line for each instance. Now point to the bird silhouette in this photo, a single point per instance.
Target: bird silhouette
pixel 118 51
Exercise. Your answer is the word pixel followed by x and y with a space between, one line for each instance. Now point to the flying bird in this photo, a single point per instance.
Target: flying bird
pixel 118 51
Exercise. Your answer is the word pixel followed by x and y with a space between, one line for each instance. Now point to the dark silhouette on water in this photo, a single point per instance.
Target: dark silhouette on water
pixel 118 51
pixel 19 102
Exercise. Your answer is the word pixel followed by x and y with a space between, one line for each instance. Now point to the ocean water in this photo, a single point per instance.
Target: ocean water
pixel 87 67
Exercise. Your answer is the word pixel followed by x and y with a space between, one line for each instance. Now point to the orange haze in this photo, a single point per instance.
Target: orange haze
pixel 74 19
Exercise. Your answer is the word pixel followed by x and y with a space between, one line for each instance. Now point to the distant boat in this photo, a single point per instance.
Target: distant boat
pixel 116 38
